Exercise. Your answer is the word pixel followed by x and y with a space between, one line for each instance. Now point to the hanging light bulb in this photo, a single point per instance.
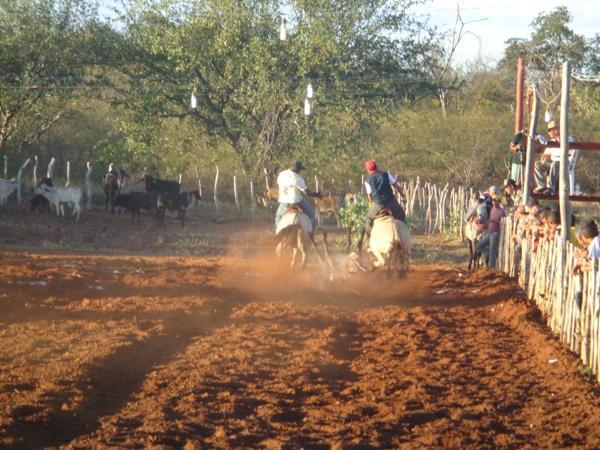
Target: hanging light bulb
pixel 309 91
pixel 193 101
pixel 547 116
pixel 306 107
pixel 282 30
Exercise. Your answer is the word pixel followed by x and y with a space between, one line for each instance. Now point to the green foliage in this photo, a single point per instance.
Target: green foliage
pixel 250 86
pixel 46 50
pixel 73 88
pixel 354 215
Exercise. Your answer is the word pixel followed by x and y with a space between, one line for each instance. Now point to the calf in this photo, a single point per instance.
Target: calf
pixel 61 195
pixel 179 202
pixel 39 204
pixel 136 201
pixel 327 205
pixel 161 186
pixel 110 186
pixel 7 187
pixel 268 198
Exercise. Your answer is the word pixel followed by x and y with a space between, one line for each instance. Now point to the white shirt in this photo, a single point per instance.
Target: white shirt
pixel 594 248
pixel 555 152
pixel 368 186
pixel 291 186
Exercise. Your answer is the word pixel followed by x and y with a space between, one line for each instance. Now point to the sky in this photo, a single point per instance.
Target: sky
pixel 489 23
pixel 492 22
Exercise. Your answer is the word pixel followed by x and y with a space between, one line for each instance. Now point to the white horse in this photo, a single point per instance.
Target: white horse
pixel 390 244
pixel 294 232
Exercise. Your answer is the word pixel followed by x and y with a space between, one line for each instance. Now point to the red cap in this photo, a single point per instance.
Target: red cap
pixel 370 166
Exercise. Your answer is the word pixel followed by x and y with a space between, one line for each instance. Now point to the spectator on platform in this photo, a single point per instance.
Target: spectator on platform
pixel 548 165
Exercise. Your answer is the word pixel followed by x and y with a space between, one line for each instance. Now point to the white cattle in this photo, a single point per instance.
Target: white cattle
pixel 7 187
pixel 61 195
pixel 390 244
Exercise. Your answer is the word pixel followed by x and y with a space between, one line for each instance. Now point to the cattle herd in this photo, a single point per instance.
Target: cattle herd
pixel 158 197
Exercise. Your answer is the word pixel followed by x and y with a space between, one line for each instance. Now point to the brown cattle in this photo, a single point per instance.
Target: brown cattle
pixel 268 198
pixel 327 205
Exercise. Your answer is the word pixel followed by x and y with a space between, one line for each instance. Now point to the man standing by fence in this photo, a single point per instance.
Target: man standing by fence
pixel 491 240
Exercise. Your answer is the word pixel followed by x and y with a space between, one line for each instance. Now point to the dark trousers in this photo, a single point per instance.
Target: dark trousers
pixel 394 207
pixel 542 169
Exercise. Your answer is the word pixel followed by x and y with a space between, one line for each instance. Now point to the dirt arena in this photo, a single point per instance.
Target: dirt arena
pixel 121 335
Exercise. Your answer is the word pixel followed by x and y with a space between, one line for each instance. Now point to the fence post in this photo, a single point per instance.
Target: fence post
pixel 6 167
pixel 19 175
pixel 50 170
pixel 215 196
pixel 35 166
pixel 266 179
pixel 199 182
pixel 252 200
pixel 530 146
pixel 235 195
pixel 565 207
pixel 88 184
pixel 68 173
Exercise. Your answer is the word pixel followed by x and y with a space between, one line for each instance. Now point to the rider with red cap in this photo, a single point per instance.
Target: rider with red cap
pixel 379 191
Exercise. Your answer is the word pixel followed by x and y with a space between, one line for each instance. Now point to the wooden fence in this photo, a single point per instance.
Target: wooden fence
pixel 570 303
pixel 435 210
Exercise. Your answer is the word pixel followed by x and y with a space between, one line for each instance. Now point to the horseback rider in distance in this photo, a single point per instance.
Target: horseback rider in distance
pixel 378 186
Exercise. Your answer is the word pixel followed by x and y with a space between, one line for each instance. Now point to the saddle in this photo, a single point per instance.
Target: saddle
pixel 384 212
pixel 294 216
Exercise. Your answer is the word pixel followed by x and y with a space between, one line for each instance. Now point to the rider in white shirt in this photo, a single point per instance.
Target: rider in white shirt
pixel 293 191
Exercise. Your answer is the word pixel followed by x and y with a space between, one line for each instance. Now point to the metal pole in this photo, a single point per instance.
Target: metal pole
pixel 530 147
pixel 563 181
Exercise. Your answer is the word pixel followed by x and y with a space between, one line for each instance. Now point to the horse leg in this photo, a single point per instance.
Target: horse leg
pixel 471 253
pixel 279 250
pixel 301 246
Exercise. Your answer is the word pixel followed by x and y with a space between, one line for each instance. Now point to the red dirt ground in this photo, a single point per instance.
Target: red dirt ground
pixel 132 348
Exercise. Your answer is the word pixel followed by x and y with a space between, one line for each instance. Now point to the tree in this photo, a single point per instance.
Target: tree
pixel 47 48
pixel 551 43
pixel 250 87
